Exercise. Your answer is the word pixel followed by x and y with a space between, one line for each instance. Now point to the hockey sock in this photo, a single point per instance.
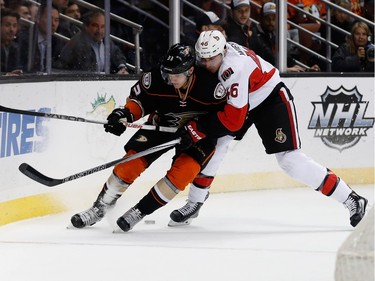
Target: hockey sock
pixel 159 195
pixel 334 187
pixel 113 189
pixel 199 188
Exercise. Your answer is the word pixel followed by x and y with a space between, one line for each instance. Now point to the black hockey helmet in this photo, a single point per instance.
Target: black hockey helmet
pixel 178 59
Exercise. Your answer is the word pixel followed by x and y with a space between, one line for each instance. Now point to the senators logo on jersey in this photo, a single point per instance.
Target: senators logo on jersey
pixel 227 73
pixel 280 136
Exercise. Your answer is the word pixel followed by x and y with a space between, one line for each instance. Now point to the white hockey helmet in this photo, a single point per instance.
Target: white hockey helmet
pixel 209 44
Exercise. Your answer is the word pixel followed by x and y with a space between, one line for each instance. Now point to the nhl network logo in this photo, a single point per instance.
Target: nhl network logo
pixel 339 119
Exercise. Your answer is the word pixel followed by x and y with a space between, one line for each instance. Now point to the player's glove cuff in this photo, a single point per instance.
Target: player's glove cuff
pixel 190 134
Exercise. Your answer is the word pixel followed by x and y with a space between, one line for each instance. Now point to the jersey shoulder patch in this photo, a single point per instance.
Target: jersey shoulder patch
pixel 219 92
pixel 146 80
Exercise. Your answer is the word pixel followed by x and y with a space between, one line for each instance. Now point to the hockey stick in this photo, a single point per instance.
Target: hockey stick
pixel 32 173
pixel 80 119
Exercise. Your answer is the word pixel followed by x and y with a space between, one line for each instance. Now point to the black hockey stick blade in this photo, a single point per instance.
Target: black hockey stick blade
pixel 37 176
pixel 29 171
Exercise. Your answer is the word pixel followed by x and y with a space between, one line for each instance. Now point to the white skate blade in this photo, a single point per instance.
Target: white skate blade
pixel 70 226
pixel 173 223
pixel 117 229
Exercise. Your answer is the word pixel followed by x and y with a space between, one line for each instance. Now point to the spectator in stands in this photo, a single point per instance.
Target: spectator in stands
pixel 357 53
pixel 21 8
pixel 61 5
pixel 209 21
pixel 256 8
pixel 34 59
pixel 312 9
pixel 341 20
pixel 2 4
pixel 315 7
pixel 69 29
pixel 263 39
pixel 238 23
pixel 356 7
pixel 205 21
pixel 9 56
pixel 63 27
pixel 85 51
pixel 73 11
pixel 34 9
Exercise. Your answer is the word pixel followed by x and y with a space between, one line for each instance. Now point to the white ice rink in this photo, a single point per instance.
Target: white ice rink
pixel 272 235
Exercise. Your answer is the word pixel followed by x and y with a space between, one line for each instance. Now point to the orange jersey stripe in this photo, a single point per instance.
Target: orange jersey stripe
pixel 135 109
pixel 157 198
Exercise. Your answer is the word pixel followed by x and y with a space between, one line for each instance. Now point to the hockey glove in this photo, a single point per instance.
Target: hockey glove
pixel 202 151
pixel 190 134
pixel 115 126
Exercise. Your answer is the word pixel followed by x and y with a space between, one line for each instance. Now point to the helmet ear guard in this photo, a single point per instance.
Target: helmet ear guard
pixel 210 44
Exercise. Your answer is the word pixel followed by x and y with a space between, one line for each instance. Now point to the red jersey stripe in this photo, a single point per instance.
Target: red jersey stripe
pixel 232 117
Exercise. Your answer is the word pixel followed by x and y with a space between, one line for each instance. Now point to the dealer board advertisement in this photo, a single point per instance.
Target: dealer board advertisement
pixel 335 119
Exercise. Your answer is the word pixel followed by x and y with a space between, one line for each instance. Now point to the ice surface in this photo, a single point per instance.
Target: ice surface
pixel 269 235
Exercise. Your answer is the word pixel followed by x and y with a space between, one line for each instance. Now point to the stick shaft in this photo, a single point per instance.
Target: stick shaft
pixel 80 119
pixel 49 115
pixel 32 173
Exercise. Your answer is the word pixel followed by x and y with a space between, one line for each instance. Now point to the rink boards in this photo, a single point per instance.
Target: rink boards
pixel 335 119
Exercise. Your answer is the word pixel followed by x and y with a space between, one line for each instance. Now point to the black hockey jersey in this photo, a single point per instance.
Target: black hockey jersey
pixel 167 106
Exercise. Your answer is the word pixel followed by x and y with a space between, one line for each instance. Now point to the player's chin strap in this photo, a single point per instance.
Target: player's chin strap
pixel 80 119
pixel 32 173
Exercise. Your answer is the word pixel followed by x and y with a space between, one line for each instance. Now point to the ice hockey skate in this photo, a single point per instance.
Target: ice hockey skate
pixel 90 216
pixel 128 220
pixel 356 206
pixel 185 215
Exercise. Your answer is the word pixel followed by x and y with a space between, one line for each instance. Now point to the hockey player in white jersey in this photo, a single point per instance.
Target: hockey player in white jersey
pixel 256 95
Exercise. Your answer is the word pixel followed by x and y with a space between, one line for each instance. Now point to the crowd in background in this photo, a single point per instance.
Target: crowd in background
pixel 75 45
pixel 79 45
pixel 254 25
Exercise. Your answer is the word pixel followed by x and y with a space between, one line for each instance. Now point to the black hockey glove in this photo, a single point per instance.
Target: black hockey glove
pixel 115 126
pixel 189 134
pixel 202 151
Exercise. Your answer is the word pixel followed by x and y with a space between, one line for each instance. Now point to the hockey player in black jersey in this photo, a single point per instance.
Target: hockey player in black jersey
pixel 173 96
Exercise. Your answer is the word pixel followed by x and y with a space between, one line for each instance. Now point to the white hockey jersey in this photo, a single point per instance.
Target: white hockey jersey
pixel 248 80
